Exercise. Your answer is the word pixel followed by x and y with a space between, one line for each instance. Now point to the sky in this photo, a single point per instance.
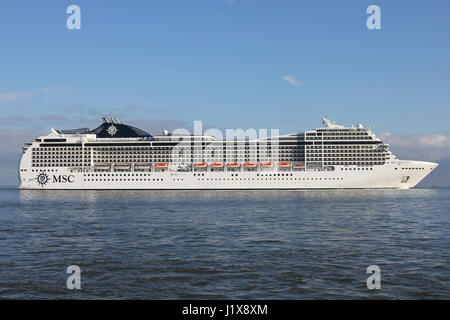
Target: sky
pixel 230 63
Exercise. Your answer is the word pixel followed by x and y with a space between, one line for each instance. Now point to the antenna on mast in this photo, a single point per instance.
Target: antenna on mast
pixel 326 121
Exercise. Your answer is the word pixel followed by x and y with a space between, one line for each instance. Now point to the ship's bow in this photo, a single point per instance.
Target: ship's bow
pixel 420 170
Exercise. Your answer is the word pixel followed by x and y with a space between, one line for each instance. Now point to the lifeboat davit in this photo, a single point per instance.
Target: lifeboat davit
pixel 267 164
pixel 234 165
pixel 161 165
pixel 122 166
pixel 217 165
pixel 284 164
pixel 201 165
pixel 102 166
pixel 250 164
pixel 142 164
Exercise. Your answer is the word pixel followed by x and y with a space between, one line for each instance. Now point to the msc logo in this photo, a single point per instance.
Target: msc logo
pixel 63 179
pixel 42 179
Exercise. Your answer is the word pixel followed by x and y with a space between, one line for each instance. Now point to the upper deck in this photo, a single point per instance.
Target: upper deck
pixel 113 142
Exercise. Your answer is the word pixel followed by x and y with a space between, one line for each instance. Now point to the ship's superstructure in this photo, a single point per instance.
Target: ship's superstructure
pixel 119 156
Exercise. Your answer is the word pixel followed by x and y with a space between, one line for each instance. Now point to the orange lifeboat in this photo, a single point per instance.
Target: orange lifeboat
pixel 234 165
pixel 201 165
pixel 267 164
pixel 250 164
pixel 161 165
pixel 284 164
pixel 217 165
pixel 299 165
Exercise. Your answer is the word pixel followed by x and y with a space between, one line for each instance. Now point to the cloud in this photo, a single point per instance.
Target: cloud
pixel 15 138
pixel 34 122
pixel 433 140
pixel 168 70
pixel 53 118
pixel 14 95
pixel 292 81
pixel 14 121
pixel 413 147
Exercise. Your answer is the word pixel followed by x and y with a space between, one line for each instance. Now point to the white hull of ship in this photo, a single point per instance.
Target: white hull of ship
pixel 389 176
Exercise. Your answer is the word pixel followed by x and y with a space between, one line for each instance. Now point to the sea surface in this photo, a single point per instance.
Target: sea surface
pixel 225 244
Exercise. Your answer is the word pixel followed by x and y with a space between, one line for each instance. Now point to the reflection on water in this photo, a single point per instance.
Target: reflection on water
pixel 175 195
pixel 225 244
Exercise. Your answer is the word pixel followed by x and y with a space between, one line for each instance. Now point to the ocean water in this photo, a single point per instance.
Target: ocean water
pixel 225 244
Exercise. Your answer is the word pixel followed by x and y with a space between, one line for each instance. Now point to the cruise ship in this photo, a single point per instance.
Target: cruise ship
pixel 120 156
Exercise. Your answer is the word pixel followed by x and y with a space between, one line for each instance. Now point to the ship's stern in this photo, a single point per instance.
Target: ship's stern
pixel 25 167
